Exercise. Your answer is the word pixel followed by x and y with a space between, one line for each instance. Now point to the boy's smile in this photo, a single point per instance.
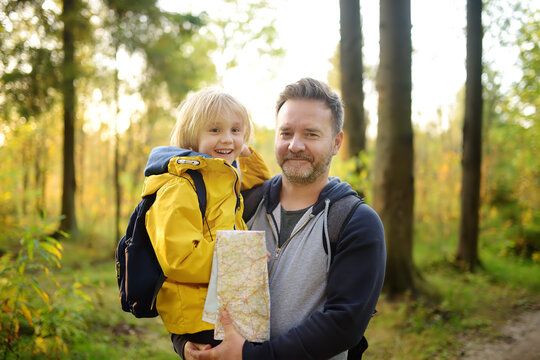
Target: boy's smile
pixel 223 139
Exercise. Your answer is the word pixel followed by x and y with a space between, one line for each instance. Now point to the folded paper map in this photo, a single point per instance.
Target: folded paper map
pixel 239 284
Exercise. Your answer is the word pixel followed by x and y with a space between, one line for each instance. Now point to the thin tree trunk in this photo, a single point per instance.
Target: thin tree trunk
pixel 25 179
pixel 116 175
pixel 39 168
pixel 467 252
pixel 69 222
pixel 352 75
pixel 393 169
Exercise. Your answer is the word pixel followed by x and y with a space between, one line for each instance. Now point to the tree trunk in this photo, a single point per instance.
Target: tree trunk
pixel 467 253
pixel 40 158
pixel 25 179
pixel 69 222
pixel 352 75
pixel 116 175
pixel 393 169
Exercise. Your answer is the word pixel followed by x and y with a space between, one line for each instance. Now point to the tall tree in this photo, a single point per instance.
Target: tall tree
pixel 69 16
pixel 393 169
pixel 351 66
pixel 467 252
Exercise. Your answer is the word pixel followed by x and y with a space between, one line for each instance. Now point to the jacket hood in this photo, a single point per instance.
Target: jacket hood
pixel 157 168
pixel 158 161
pixel 334 190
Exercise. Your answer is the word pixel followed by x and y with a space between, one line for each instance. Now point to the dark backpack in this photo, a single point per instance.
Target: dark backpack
pixel 138 272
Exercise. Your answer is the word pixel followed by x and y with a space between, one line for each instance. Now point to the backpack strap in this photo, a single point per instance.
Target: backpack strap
pixel 252 199
pixel 339 214
pixel 200 189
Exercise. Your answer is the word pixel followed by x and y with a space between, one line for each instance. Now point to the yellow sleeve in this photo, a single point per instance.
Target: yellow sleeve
pixel 174 225
pixel 253 169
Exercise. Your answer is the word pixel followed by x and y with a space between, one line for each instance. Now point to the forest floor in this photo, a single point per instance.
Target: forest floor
pixel 517 339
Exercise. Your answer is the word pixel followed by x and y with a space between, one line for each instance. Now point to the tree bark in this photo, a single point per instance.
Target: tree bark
pixel 40 158
pixel 467 253
pixel 116 175
pixel 351 65
pixel 69 222
pixel 393 169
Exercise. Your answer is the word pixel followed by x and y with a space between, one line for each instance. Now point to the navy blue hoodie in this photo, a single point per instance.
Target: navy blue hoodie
pixel 319 312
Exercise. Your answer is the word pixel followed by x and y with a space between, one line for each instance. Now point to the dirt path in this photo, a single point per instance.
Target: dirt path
pixel 519 340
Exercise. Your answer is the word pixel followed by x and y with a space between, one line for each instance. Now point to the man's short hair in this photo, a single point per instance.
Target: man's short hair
pixel 308 88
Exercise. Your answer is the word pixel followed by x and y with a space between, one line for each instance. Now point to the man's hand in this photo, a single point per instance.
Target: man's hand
pixel 229 349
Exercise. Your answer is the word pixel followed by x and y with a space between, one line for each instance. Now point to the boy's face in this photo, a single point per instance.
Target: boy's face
pixel 223 138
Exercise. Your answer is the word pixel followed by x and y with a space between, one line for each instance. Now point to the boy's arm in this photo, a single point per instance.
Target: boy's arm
pixel 253 168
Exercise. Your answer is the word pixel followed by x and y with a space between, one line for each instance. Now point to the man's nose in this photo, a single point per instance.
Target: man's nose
pixel 296 144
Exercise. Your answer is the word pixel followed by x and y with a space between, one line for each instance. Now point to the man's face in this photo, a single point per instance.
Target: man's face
pixel 304 142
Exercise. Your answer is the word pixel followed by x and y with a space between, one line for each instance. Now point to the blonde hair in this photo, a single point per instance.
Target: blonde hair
pixel 201 108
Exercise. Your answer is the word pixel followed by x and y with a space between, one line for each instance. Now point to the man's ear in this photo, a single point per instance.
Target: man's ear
pixel 338 140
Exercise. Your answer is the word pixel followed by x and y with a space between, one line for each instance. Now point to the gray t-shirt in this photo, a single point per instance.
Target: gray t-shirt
pixel 289 219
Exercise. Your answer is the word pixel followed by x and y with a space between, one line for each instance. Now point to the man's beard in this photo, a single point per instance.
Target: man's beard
pixel 305 176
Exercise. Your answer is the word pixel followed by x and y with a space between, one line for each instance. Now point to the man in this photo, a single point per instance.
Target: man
pixel 321 303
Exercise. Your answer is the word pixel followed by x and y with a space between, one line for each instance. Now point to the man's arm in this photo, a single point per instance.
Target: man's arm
pixel 354 284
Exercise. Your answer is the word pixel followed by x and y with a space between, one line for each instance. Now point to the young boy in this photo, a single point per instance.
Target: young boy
pixel 210 135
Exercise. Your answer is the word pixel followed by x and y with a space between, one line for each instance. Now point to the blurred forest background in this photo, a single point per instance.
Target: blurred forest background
pixel 459 197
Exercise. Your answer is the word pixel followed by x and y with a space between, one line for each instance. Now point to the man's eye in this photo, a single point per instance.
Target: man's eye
pixel 285 134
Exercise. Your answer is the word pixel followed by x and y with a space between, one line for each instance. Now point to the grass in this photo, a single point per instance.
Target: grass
pixel 112 333
pixel 468 307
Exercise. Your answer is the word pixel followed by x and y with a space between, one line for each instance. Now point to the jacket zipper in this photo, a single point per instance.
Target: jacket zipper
pixel 279 249
pixel 236 192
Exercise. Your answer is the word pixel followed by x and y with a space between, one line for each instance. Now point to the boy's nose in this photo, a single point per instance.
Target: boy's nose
pixel 227 137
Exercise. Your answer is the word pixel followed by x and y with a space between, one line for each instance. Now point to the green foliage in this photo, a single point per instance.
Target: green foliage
pixel 29 59
pixel 243 25
pixel 356 171
pixel 38 315
pixel 512 170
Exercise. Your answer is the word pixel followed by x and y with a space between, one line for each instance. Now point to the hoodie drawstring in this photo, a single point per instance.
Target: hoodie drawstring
pixel 325 229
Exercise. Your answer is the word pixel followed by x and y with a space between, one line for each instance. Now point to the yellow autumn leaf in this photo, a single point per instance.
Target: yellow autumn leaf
pixel 51 249
pixel 44 296
pixel 27 314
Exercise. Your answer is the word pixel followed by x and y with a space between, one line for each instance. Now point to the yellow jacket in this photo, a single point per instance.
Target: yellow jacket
pixel 183 246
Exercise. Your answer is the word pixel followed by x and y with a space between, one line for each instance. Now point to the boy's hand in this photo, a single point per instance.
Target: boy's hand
pixel 245 151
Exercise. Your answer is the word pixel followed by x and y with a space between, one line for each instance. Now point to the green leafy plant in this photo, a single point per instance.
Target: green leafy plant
pixel 41 324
